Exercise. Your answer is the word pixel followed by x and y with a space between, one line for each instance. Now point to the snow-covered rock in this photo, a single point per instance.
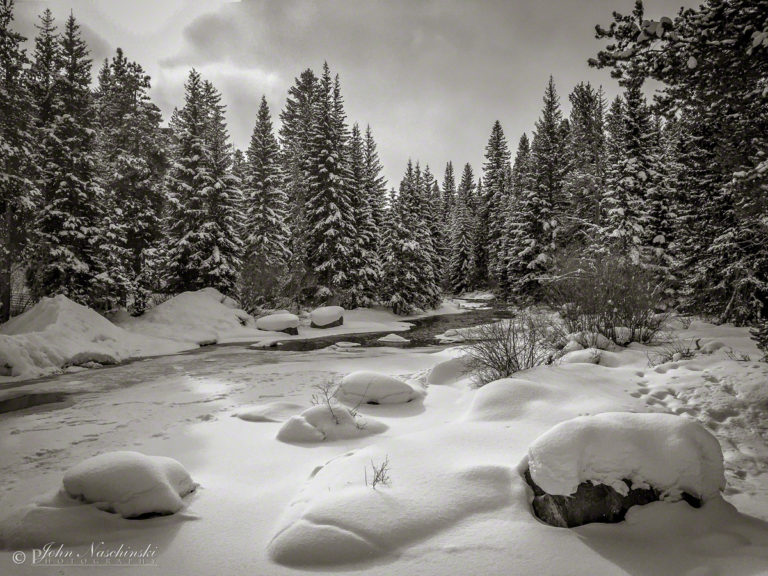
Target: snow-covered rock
pixel 508 398
pixel 582 356
pixel 369 387
pixel 57 333
pixel 393 339
pixel 130 483
pixel 327 317
pixel 449 371
pixel 571 346
pixel 712 346
pixel 203 317
pixel 285 322
pixel 669 453
pixel 327 422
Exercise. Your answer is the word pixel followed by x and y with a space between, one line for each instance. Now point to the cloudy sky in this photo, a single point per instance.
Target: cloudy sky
pixel 429 76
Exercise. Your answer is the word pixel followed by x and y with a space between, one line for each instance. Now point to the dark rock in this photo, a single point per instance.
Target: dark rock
pixel 590 503
pixel 292 330
pixel 338 322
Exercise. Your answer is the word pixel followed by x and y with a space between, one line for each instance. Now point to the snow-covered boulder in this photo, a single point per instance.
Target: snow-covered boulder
pixel 369 387
pixel 394 339
pixel 581 356
pixel 284 322
pixel 331 421
pixel 130 483
pixel 508 398
pixel 712 346
pixel 327 317
pixel 593 468
pixel 571 346
pixel 449 371
pixel 203 317
pixel 57 333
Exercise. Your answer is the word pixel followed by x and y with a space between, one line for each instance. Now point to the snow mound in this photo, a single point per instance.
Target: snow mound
pixel 449 371
pixel 327 316
pixel 592 340
pixel 203 317
pixel 327 422
pixel 337 519
pixel 369 387
pixel 593 356
pixel 130 483
pixel 712 346
pixel 57 333
pixel 508 398
pixel 270 412
pixel 394 339
pixel 670 453
pixel 278 322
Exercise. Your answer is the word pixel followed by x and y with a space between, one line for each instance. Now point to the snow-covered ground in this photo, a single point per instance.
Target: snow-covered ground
pixel 453 501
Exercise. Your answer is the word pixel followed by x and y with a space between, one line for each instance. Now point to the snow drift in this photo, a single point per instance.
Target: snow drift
pixel 202 317
pixel 57 333
pixel 327 422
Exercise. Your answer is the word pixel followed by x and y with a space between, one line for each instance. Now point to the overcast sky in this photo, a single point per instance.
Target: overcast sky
pixel 430 77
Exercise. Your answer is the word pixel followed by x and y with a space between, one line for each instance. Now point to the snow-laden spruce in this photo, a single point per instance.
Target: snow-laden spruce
pixel 130 483
pixel 669 453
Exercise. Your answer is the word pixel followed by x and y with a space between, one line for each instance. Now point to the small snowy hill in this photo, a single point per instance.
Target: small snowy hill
pixel 202 317
pixel 57 333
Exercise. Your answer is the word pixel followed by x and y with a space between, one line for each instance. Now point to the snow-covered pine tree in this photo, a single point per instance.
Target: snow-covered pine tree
pixel 461 265
pixel 17 189
pixel 364 266
pixel 376 192
pixel 68 226
pixel 297 126
pixel 625 209
pixel 549 162
pixel 223 245
pixel 408 273
pixel 328 209
pixel 132 164
pixel 585 181
pixel 489 257
pixel 447 200
pixel 265 234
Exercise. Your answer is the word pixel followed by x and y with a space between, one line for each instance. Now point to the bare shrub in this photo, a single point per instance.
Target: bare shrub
pixel 379 474
pixel 605 295
pixel 673 351
pixel 509 346
pixel 325 395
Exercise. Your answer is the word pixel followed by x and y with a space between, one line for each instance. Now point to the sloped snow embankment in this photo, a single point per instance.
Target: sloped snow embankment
pixel 57 333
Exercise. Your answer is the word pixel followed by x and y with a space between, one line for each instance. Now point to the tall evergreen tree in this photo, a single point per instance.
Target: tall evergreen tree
pixel 461 266
pixel 67 230
pixel 489 257
pixel 328 208
pixel 17 190
pixel 132 165
pixel 376 191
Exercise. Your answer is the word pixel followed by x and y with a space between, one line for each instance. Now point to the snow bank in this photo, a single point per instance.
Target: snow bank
pixel 324 422
pixel 338 519
pixel 508 398
pixel 270 412
pixel 669 453
pixel 327 316
pixel 57 333
pixel 449 371
pixel 369 387
pixel 284 322
pixel 130 483
pixel 203 317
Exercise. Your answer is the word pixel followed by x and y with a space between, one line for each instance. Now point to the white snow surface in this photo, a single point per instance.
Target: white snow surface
pixel 277 322
pixel 394 339
pixel 201 317
pixel 130 483
pixel 328 422
pixel 57 333
pixel 667 452
pixel 455 502
pixel 369 387
pixel 327 315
